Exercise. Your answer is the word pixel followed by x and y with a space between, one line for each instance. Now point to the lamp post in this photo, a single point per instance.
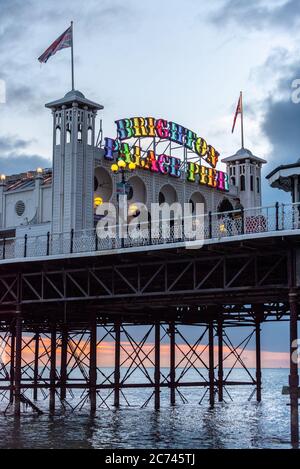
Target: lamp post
pixel 123 168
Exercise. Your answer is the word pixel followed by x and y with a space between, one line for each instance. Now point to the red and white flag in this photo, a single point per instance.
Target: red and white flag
pixel 239 110
pixel 63 41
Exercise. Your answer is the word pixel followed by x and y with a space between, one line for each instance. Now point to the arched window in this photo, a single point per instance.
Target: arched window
pixel 257 185
pixel 90 136
pixel 233 181
pixel 57 136
pixel 68 134
pixel 79 136
pixel 242 183
pixel 251 183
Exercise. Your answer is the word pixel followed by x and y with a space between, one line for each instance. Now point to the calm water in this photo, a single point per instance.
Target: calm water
pixel 233 424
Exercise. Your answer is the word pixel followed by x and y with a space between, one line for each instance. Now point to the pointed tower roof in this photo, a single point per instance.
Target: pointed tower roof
pixel 74 96
pixel 243 154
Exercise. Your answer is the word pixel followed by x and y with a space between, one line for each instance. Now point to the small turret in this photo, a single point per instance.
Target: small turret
pixel 244 171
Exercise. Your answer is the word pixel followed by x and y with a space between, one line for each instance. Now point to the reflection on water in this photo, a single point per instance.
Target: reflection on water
pixel 237 424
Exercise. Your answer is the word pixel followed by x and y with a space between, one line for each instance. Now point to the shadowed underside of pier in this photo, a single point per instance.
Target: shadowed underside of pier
pixel 57 315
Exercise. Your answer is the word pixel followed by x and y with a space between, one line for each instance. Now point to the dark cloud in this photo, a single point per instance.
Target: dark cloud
pixel 8 144
pixel 281 121
pixel 14 159
pixel 14 164
pixel 28 27
pixel 259 14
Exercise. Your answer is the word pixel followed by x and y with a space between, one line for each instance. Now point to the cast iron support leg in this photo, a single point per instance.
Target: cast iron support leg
pixel 18 363
pixel 12 363
pixel 36 365
pixel 52 369
pixel 211 364
pixel 220 360
pixel 63 364
pixel 93 366
pixel 294 378
pixel 172 363
pixel 258 361
pixel 117 363
pixel 157 367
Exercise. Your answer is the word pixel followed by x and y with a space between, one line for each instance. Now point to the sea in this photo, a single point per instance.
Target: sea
pixel 238 422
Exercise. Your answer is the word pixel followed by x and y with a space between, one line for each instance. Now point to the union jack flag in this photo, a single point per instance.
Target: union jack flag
pixel 63 41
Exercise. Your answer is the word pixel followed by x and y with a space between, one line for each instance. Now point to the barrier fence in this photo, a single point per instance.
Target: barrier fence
pixel 213 225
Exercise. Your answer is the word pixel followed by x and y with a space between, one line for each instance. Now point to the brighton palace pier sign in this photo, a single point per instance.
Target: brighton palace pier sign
pixel 166 131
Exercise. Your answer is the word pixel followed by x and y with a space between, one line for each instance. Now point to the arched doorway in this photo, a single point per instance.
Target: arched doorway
pixel 197 198
pixel 103 186
pixel 225 206
pixel 167 195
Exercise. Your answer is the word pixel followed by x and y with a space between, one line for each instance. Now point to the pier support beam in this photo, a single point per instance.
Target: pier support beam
pixel 220 360
pixel 117 373
pixel 36 365
pixel 258 360
pixel 294 377
pixel 63 363
pixel 172 333
pixel 18 362
pixel 93 365
pixel 12 362
pixel 211 364
pixel 157 367
pixel 52 368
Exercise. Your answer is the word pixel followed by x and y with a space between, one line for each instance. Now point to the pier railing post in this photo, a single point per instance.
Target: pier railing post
pixel 117 364
pixel 157 367
pixel 172 333
pixel 294 378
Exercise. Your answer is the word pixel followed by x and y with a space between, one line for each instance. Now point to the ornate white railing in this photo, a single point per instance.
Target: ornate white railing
pixel 213 226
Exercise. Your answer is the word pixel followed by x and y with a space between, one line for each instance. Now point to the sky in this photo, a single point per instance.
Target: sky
pixel 185 61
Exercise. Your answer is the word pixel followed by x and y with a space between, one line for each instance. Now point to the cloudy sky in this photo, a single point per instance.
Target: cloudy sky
pixel 185 61
pixel 182 60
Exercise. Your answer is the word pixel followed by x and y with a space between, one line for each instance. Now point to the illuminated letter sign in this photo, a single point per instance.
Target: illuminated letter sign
pixel 165 131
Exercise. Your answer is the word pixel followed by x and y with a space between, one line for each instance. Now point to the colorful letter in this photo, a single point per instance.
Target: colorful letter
pixel 177 132
pixel 212 156
pixel 163 164
pixel 162 129
pixel 125 130
pixel 193 169
pixel 139 127
pixel 110 146
pixel 175 167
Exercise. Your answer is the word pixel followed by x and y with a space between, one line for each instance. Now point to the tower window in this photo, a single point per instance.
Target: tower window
pixel 90 136
pixel 257 185
pixel 242 182
pixel 251 183
pixel 79 136
pixel 68 136
pixel 57 136
pixel 233 181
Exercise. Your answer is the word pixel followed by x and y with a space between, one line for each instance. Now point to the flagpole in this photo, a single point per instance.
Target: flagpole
pixel 72 58
pixel 242 119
